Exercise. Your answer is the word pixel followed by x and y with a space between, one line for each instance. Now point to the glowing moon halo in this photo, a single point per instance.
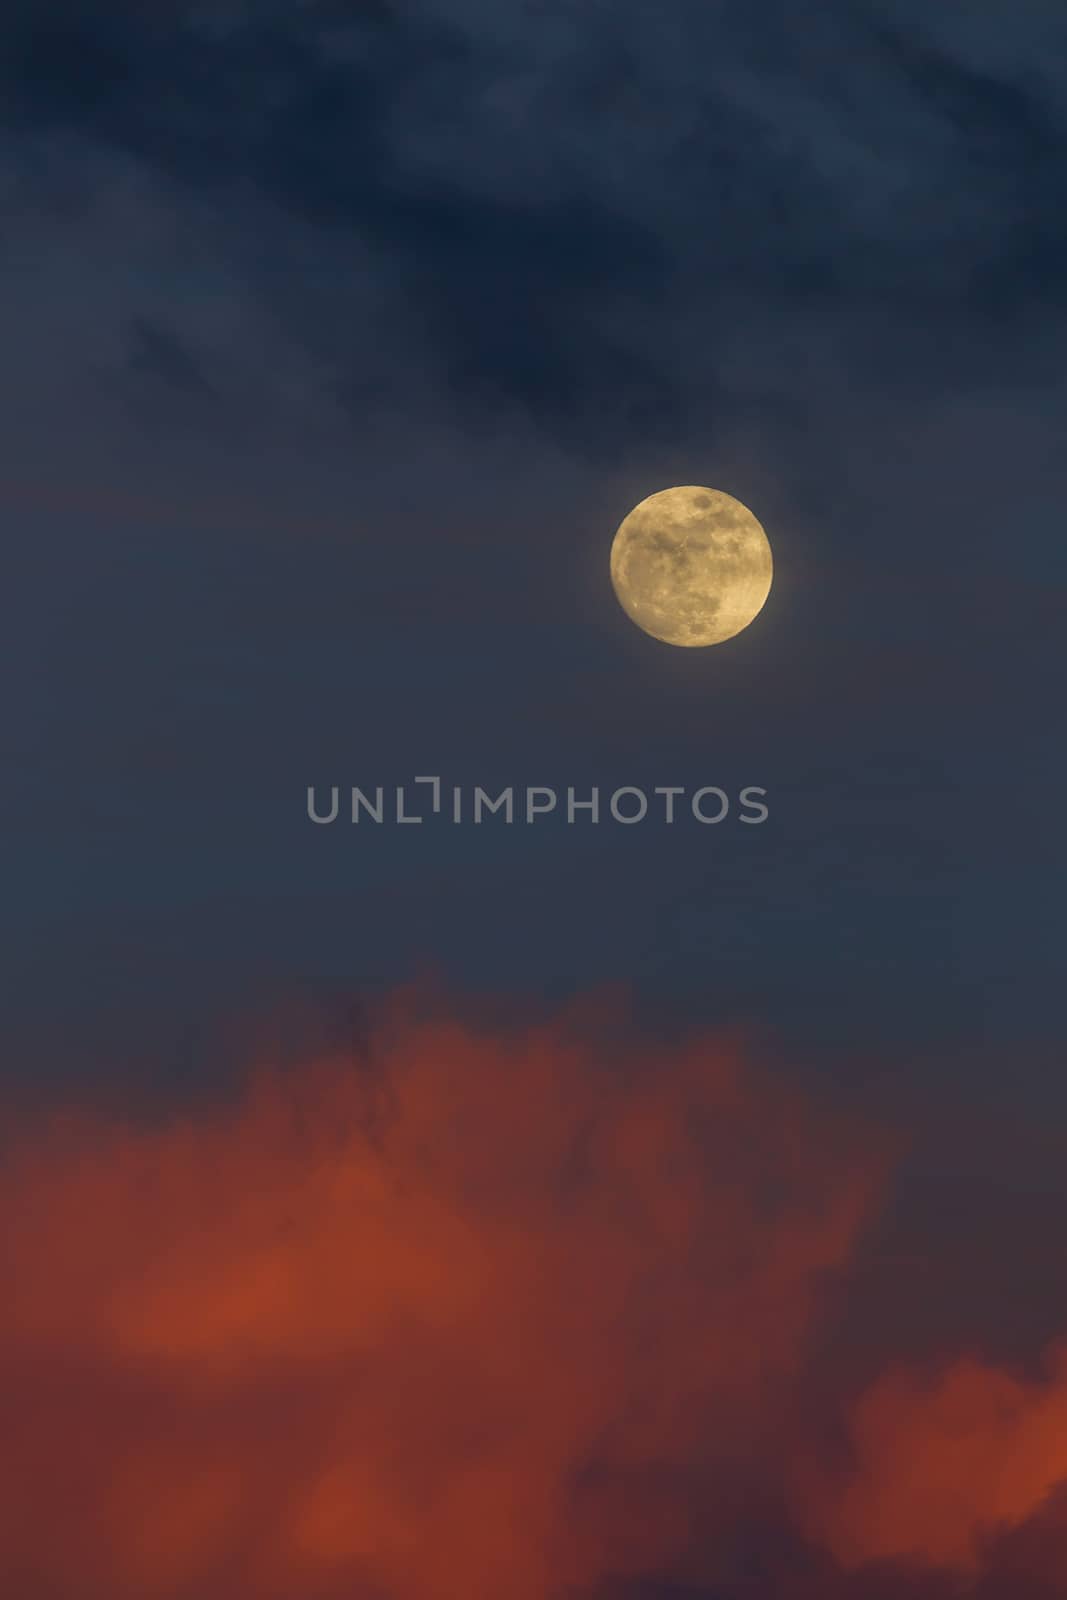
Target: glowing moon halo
pixel 691 566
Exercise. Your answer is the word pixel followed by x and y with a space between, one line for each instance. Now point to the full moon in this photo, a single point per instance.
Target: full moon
pixel 691 566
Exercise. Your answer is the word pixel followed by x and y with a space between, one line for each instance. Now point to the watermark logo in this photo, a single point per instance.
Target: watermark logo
pixel 424 799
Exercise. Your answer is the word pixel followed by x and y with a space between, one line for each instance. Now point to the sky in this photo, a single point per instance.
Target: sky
pixel 338 339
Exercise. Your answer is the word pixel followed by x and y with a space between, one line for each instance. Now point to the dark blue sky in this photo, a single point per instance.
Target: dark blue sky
pixel 337 341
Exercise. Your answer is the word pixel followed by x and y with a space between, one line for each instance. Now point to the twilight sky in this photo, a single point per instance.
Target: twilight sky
pixel 338 337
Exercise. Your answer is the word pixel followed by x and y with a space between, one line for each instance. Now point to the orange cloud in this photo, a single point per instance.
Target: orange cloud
pixel 469 1322
pixel 944 1466
pixel 523 1313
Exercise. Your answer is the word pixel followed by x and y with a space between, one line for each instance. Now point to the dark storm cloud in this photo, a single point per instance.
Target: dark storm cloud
pixel 570 209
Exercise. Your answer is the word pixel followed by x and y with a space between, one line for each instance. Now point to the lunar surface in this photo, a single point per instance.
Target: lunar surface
pixel 691 566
